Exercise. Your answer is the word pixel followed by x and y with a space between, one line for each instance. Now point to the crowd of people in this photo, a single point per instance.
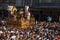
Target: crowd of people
pixel 39 31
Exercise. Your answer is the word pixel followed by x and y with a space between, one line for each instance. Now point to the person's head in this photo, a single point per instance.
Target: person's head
pixel 4 34
pixel 0 34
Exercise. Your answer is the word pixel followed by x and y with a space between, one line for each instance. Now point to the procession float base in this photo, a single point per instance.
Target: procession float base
pixel 21 24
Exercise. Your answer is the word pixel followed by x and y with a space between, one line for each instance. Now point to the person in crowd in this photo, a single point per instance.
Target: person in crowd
pixel 39 31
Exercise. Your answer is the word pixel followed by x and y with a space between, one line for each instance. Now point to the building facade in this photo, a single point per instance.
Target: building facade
pixel 44 8
pixel 38 3
pixel 32 3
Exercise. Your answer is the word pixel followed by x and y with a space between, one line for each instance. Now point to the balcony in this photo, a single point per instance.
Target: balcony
pixel 47 5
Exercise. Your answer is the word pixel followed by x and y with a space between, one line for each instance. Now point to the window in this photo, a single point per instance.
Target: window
pixel 27 2
pixel 58 1
pixel 45 1
pixel 19 2
pixel 55 1
pixel 12 2
pixel 35 2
